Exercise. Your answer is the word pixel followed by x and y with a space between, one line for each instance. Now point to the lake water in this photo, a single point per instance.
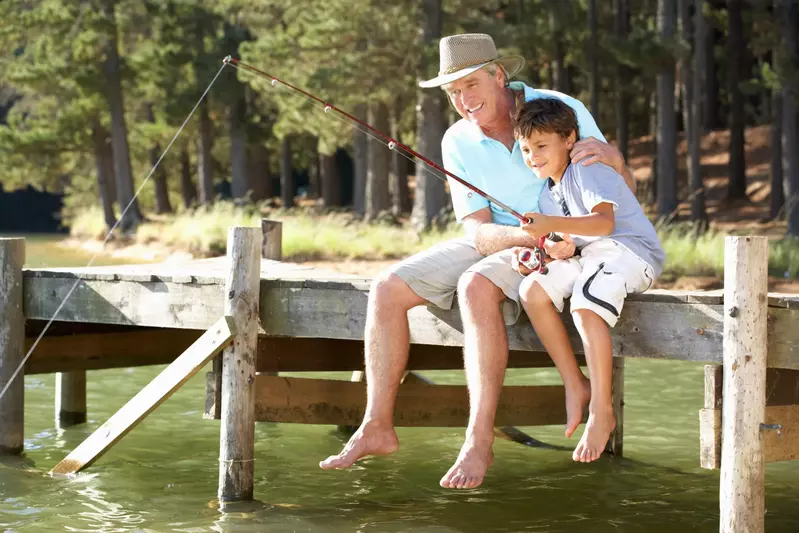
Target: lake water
pixel 162 477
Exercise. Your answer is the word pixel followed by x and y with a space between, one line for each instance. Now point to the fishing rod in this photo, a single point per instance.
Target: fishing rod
pixel 392 143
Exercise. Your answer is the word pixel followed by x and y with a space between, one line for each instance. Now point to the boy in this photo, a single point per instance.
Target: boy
pixel 619 253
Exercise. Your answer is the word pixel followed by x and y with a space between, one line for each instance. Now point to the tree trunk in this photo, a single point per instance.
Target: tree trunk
pixel 286 174
pixel 360 164
pixel 698 209
pixel 260 175
pixel 710 103
pixel 162 205
pixel 560 70
pixel 400 193
pixel 593 58
pixel 239 171
pixel 187 189
pixel 329 179
pixel 621 25
pixel 430 196
pixel 104 176
pixel 119 130
pixel 315 171
pixel 736 187
pixel 790 155
pixel 667 127
pixel 205 179
pixel 377 196
pixel 777 197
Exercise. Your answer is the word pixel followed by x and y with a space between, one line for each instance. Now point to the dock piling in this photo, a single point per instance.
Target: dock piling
pixel 70 398
pixel 12 346
pixel 237 433
pixel 741 495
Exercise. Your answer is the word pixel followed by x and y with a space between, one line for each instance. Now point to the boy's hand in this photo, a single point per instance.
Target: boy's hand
pixel 560 250
pixel 516 264
pixel 539 225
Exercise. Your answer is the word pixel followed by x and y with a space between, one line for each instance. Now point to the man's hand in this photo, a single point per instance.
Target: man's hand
pixel 560 250
pixel 591 150
pixel 539 225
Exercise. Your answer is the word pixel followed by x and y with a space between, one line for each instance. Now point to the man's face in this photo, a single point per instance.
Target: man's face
pixel 477 96
pixel 546 154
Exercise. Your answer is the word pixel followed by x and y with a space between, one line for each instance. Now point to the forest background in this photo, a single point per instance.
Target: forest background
pixel 92 92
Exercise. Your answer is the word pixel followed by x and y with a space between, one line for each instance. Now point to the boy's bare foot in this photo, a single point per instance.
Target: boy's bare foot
pixel 369 439
pixel 577 398
pixel 470 466
pixel 597 431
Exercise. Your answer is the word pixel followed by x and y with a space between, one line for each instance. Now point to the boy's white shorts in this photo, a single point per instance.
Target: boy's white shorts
pixel 599 279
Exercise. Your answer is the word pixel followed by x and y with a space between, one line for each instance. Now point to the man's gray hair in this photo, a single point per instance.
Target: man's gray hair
pixel 492 69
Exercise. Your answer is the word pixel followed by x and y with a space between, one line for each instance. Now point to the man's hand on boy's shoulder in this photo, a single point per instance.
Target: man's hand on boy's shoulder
pixel 590 150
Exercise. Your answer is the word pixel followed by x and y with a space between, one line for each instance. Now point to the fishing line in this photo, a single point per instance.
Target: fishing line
pixel 108 235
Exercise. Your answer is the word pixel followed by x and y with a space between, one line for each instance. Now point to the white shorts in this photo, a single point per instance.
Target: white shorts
pixel 598 280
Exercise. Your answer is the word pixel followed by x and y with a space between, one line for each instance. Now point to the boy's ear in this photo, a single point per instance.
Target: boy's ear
pixel 571 140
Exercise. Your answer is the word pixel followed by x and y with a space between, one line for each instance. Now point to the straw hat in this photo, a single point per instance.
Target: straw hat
pixel 460 55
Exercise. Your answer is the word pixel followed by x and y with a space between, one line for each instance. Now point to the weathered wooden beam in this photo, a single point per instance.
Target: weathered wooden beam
pixel 782 389
pixel 121 349
pixel 70 398
pixel 237 432
pixel 615 444
pixel 12 344
pixel 742 496
pixel 151 396
pixel 678 327
pixel 316 401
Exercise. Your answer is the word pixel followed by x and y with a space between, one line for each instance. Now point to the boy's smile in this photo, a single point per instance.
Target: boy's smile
pixel 546 154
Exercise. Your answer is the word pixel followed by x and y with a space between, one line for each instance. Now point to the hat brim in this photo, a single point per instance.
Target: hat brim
pixel 511 64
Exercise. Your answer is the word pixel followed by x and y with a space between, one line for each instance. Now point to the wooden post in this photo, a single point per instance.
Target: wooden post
pixel 272 247
pixel 741 496
pixel 12 346
pixel 615 444
pixel 237 434
pixel 70 398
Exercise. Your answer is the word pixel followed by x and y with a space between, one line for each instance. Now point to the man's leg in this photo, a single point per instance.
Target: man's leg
pixel 485 358
pixel 552 333
pixel 595 334
pixel 387 340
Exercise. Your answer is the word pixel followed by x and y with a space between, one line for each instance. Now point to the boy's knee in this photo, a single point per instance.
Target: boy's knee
pixel 532 294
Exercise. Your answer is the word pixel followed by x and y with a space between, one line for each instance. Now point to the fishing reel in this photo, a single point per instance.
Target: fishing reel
pixel 536 259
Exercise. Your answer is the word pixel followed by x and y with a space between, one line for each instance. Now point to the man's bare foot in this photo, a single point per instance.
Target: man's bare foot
pixel 577 398
pixel 470 466
pixel 597 431
pixel 369 439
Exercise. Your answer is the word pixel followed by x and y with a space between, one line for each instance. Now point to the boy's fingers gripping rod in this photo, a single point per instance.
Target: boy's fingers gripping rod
pixel 392 143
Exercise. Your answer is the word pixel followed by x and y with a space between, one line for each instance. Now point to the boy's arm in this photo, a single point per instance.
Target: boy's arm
pixel 598 224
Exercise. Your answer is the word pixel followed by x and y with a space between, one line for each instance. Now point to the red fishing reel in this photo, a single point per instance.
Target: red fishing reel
pixel 536 259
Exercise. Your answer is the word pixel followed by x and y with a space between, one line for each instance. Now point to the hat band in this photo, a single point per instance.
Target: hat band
pixel 461 67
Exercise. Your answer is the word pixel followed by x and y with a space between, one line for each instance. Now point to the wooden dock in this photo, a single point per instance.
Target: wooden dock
pixel 308 320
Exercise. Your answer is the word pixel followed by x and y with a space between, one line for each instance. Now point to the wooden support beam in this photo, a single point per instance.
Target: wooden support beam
pixel 317 401
pixel 151 396
pixel 741 495
pixel 70 398
pixel 615 444
pixel 782 406
pixel 12 344
pixel 237 433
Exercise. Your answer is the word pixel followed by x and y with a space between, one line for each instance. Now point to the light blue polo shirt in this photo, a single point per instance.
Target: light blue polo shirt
pixel 488 165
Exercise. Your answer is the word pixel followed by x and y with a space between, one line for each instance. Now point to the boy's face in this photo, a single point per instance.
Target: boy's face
pixel 546 154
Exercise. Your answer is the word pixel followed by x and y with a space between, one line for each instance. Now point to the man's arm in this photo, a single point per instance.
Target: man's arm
pixel 590 150
pixel 490 238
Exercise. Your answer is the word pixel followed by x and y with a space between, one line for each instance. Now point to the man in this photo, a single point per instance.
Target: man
pixel 481 149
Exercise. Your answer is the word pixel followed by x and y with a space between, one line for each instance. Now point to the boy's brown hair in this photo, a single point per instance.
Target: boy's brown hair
pixel 545 115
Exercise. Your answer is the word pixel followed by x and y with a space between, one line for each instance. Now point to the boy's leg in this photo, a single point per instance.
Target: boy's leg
pixel 541 297
pixel 595 334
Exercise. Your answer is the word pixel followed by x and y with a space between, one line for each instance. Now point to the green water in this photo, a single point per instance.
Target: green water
pixel 163 475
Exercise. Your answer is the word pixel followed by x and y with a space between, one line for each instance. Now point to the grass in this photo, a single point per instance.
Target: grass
pixel 308 234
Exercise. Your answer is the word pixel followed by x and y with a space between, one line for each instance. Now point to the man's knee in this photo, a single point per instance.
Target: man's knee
pixel 390 290
pixel 474 288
